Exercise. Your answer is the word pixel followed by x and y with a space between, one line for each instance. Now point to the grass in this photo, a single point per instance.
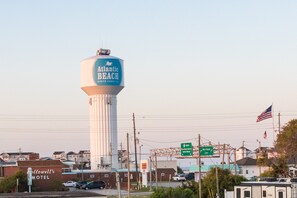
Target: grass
pixel 131 196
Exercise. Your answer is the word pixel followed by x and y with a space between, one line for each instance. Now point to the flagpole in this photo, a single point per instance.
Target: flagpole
pixel 273 123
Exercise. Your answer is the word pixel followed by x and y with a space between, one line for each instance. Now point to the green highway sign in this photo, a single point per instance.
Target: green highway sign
pixel 186 152
pixel 186 149
pixel 206 151
pixel 186 145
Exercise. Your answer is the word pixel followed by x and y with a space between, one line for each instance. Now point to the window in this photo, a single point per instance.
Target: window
pixel 280 195
pixel 240 170
pixel 246 171
pixel 247 194
pixel 106 175
pixel 238 193
pixel 264 193
pixel 66 170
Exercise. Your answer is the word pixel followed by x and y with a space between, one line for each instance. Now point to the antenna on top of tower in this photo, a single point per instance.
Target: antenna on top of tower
pixel 102 51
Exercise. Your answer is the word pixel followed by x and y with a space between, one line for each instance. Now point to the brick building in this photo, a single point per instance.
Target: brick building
pixel 46 174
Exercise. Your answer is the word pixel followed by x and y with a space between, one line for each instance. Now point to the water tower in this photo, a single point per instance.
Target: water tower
pixel 102 79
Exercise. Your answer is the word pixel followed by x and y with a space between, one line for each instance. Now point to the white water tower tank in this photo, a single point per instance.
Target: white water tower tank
pixel 102 79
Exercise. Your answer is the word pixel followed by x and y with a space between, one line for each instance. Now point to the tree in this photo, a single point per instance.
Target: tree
pixel 278 168
pixel 226 181
pixel 9 184
pixel 189 189
pixel 286 143
pixel 179 170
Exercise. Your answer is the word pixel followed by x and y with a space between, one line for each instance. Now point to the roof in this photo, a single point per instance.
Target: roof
pixel 58 152
pixel 247 161
pixel 242 147
pixel 265 183
pixel 72 153
pixel 19 153
pixel 46 158
pixel 40 163
pixel 2 163
pixel 84 152
pixel 262 148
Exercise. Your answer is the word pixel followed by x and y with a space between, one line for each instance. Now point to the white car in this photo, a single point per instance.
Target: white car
pixel 179 177
pixel 69 184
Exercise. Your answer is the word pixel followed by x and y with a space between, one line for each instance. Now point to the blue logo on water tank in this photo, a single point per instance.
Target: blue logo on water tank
pixel 108 72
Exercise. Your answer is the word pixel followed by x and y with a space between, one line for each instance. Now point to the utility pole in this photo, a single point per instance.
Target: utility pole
pixel 235 172
pixel 279 123
pixel 140 182
pixel 156 169
pixel 121 156
pixel 223 160
pixel 128 165
pixel 118 184
pixel 199 165
pixel 135 148
pixel 151 173
pixel 259 153
pixel 217 178
pixel 243 149
pixel 228 153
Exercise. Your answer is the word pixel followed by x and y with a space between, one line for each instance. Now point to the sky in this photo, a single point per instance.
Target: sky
pixel 190 67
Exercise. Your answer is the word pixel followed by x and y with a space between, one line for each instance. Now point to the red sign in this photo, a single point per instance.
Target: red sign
pixel 143 166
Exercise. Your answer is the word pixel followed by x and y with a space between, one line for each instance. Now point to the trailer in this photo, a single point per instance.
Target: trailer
pixel 266 189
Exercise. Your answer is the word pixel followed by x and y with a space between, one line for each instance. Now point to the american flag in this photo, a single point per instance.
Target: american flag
pixel 265 135
pixel 265 115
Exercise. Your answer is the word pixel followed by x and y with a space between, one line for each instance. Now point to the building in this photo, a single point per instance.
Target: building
pixel 72 156
pixel 45 174
pixel 59 155
pixel 243 152
pixel 249 169
pixel 84 156
pixel 19 156
pixel 266 152
pixel 167 164
pixel 263 189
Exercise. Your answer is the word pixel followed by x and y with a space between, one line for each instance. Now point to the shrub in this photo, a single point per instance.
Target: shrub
pixel 172 193
pixel 9 184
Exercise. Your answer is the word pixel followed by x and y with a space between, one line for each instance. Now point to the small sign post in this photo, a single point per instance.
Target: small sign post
pixel 144 169
pixel 29 177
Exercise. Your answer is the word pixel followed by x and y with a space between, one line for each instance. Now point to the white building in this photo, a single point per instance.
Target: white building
pixel 59 155
pixel 243 152
pixel 249 169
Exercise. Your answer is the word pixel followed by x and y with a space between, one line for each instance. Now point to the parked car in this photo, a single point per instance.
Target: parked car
pixel 179 177
pixel 94 184
pixel 80 184
pixel 190 176
pixel 69 184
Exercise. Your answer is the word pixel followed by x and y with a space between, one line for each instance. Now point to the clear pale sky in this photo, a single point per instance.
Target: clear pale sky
pixel 191 67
